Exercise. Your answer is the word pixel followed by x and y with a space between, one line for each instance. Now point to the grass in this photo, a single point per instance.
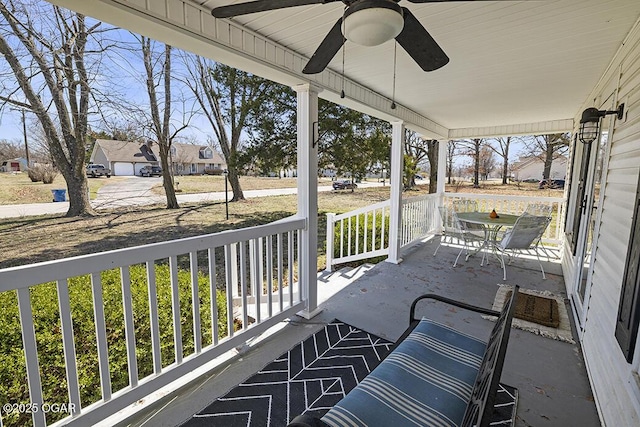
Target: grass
pixel 29 240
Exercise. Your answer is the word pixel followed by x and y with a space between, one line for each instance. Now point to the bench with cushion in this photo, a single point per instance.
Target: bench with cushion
pixel 435 376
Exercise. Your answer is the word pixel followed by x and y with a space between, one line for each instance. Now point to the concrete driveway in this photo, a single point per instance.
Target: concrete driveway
pixel 131 191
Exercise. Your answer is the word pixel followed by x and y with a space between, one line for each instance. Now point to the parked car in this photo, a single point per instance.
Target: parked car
pixel 551 183
pixel 344 184
pixel 151 171
pixel 95 170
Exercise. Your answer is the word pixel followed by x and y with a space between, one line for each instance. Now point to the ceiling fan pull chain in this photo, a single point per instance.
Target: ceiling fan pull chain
pixel 393 97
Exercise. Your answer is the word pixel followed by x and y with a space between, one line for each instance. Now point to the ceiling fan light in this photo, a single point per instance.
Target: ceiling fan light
pixel 372 26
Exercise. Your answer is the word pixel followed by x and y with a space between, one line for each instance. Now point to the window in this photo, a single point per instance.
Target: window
pixel 628 318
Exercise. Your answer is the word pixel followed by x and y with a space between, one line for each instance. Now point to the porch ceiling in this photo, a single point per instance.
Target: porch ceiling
pixel 512 62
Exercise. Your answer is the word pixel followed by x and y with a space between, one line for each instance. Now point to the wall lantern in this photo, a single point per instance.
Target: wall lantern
pixel 590 122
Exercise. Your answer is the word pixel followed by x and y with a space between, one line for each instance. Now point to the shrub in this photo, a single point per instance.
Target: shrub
pixel 13 384
pixel 42 172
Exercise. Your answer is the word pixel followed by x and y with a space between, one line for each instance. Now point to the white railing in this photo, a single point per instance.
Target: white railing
pixel 244 279
pixel 348 239
pixel 359 234
pixel 419 218
pixel 516 205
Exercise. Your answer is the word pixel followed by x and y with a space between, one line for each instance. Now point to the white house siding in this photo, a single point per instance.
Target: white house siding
pixel 614 381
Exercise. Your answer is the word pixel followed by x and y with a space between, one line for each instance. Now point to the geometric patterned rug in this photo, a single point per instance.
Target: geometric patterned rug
pixel 312 377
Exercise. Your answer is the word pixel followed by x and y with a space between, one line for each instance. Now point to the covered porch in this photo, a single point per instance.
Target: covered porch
pixel 547 80
pixel 550 375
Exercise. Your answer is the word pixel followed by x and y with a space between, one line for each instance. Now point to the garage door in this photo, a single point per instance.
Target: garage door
pixel 122 168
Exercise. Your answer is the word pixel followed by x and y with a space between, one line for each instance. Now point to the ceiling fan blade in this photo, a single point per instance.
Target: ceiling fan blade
pixel 419 44
pixel 459 1
pixel 331 44
pixel 260 6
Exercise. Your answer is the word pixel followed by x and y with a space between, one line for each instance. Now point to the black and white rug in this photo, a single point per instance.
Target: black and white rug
pixel 312 377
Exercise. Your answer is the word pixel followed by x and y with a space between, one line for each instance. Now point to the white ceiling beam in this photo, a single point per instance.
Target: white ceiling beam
pixel 190 27
pixel 541 128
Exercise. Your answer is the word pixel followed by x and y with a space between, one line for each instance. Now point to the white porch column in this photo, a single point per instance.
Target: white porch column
pixel 442 165
pixel 307 110
pixel 397 171
pixel 442 177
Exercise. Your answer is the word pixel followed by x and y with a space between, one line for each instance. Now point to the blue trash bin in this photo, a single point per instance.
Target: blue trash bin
pixel 59 195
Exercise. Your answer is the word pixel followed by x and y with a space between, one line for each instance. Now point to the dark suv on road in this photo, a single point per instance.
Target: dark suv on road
pixel 344 184
pixel 151 171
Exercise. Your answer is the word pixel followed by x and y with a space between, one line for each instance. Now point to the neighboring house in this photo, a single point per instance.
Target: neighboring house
pixel 126 158
pixel 532 168
pixel 13 165
pixel 188 159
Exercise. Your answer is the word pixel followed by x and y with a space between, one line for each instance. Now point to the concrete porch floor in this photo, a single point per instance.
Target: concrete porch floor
pixel 550 375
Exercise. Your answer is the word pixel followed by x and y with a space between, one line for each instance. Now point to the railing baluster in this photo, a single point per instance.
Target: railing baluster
pixel 257 275
pixel 374 231
pixel 69 346
pixel 299 252
pixel 243 284
pixel 195 302
pixel 213 295
pixel 175 308
pixel 101 336
pixel 153 317
pixel 228 255
pixel 129 327
pixel 269 275
pixel 366 232
pixel 349 221
pixel 290 259
pixel 31 356
pixel 280 271
pixel 357 247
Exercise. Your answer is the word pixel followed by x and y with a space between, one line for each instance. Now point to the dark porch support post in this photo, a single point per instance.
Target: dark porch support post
pixel 397 171
pixel 307 111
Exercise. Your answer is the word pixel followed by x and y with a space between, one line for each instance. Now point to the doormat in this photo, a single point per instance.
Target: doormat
pixel 536 309
pixel 561 333
pixel 311 378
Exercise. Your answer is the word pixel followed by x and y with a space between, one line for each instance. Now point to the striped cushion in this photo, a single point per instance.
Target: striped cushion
pixel 425 381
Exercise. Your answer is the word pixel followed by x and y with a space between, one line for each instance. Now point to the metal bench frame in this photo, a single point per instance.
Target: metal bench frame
pixel 480 407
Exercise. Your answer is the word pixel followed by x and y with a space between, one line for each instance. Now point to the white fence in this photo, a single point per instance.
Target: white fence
pixel 250 274
pixel 348 239
pixel 359 234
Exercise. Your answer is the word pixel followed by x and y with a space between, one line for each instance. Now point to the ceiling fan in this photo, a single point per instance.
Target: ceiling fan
pixel 364 22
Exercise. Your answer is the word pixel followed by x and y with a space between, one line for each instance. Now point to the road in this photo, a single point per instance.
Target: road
pixel 136 191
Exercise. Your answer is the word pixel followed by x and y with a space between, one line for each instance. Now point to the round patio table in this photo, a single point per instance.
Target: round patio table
pixel 491 227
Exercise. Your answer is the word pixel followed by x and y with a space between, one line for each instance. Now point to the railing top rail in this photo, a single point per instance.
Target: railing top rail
pixel 27 275
pixel 505 196
pixel 362 210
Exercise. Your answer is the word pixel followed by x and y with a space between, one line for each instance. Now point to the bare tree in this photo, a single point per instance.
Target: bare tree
pixel 157 67
pixel 472 148
pixel 452 151
pixel 230 100
pixel 501 146
pixel 48 63
pixel 547 148
pixel 487 162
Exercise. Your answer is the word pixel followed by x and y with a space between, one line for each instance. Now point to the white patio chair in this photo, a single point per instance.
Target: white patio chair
pixel 452 227
pixel 523 236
